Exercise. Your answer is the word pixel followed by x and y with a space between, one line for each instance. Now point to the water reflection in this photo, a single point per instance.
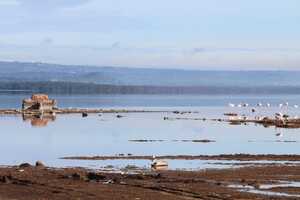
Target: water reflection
pixel 39 120
pixel 107 135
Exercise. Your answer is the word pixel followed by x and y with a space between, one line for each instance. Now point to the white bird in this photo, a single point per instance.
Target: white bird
pixel 296 106
pixel 158 163
pixel 286 103
pixel 259 104
pixel 280 105
pixel 268 105
pixel 240 105
pixel 231 105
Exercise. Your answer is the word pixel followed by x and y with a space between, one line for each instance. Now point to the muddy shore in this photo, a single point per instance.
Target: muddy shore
pixel 29 183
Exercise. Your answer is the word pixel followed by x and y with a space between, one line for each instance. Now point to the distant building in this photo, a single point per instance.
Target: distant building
pixel 39 102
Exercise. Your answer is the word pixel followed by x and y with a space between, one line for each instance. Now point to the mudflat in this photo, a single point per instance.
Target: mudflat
pixel 29 182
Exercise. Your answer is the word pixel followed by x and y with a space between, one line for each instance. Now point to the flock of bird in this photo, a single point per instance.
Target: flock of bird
pixel 286 104
pixel 278 115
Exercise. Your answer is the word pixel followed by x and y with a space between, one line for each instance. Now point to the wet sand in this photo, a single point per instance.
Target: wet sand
pixel 31 183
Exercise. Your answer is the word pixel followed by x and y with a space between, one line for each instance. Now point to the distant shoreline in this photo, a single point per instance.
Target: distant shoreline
pixel 59 87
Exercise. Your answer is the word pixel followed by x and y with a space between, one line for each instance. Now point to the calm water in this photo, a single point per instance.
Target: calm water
pixel 72 135
pixel 92 101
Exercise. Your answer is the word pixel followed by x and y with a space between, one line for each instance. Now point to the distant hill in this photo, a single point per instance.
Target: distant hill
pixel 41 72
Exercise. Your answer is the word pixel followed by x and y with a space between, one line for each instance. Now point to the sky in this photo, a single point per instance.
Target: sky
pixel 187 34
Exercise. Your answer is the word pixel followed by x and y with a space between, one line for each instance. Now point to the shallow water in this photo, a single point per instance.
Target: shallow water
pixel 72 135
pixel 142 101
pixel 264 189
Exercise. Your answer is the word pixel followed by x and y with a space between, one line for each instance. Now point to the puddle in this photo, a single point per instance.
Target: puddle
pixel 179 164
pixel 280 184
pixel 263 188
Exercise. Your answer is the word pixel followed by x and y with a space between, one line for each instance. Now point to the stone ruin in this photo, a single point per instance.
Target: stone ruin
pixel 39 102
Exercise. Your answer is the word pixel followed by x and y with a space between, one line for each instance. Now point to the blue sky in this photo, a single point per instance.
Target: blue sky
pixel 191 34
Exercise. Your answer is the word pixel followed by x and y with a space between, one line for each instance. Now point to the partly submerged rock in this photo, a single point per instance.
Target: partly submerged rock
pixel 25 165
pixel 39 164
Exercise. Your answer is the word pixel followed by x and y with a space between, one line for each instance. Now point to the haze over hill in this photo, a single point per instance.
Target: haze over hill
pixel 37 72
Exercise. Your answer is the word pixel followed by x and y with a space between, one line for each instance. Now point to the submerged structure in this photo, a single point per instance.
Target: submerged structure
pixel 39 102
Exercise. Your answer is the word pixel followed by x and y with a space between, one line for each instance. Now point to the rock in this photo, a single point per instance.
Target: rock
pixel 119 116
pixel 39 164
pixel 24 165
pixel 95 176
pixel 108 182
pixel 5 179
pixel 84 114
pixel 76 176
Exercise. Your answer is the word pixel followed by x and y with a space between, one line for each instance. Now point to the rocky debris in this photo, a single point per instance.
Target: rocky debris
pixel 39 164
pixel 144 140
pixel 25 165
pixel 201 141
pixel 5 179
pixel 131 167
pixel 119 116
pixel 230 114
pixel 93 176
pixel 108 182
pixel 212 184
pixel 84 114
pixel 77 176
